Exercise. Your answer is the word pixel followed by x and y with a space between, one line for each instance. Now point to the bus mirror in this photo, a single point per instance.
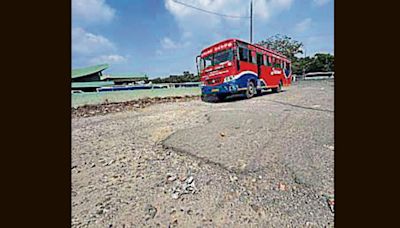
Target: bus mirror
pixel 237 64
pixel 197 64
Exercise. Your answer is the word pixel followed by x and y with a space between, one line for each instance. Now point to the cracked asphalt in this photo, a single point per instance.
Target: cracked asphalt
pixel 266 161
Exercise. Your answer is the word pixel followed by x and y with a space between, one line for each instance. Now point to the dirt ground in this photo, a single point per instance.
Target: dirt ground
pixel 263 162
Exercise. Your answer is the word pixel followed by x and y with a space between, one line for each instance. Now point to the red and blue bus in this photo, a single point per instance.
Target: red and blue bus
pixel 234 66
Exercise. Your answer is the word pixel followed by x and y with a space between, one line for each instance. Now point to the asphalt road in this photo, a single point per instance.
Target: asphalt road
pixel 266 161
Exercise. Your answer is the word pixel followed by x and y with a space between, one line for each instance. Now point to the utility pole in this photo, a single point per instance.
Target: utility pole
pixel 305 55
pixel 251 21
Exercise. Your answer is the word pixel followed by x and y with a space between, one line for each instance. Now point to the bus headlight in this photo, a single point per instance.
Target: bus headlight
pixel 229 78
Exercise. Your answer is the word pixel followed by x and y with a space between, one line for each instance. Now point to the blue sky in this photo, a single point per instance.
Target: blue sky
pixel 161 37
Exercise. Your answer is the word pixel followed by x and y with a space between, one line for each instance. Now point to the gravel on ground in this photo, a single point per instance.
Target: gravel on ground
pixel 263 162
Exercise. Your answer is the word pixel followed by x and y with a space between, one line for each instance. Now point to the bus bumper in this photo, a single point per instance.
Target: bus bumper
pixel 222 89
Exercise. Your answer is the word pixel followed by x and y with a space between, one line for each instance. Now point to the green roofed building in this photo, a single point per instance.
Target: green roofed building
pixel 88 74
pixel 89 79
pixel 125 78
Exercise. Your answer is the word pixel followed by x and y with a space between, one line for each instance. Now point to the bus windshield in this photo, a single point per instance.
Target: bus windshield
pixel 216 58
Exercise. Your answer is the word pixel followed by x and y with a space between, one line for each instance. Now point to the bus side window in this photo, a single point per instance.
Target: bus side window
pixel 253 58
pixel 267 59
pixel 277 63
pixel 250 56
pixel 244 54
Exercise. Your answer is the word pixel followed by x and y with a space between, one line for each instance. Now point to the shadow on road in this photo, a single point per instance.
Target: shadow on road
pixel 239 97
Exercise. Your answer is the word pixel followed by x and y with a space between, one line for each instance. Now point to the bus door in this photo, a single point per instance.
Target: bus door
pixel 259 64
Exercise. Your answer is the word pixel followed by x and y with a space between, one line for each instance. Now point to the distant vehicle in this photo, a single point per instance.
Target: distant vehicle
pixel 234 66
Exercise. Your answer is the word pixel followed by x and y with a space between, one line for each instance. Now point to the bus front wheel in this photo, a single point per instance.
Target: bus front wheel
pixel 251 90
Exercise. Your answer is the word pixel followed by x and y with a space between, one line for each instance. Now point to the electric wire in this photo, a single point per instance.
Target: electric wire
pixel 206 11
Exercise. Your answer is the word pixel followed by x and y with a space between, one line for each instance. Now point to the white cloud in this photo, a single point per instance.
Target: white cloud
pixel 195 24
pixel 90 49
pixel 186 35
pixel 159 52
pixel 92 11
pixel 86 43
pixel 321 2
pixel 264 9
pixel 108 59
pixel 167 43
pixel 261 8
pixel 303 25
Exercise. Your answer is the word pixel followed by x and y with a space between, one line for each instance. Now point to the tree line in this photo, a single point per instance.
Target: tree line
pixel 290 48
pixel 185 77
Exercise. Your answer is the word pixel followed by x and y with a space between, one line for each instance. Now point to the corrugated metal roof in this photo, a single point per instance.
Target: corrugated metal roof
pixel 75 85
pixel 76 73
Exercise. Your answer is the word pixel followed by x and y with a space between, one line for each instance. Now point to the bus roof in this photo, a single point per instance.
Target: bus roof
pixel 254 45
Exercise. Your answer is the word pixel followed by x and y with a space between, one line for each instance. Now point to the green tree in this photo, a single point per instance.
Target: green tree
pixel 283 44
pixel 185 77
pixel 300 64
pixel 321 62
